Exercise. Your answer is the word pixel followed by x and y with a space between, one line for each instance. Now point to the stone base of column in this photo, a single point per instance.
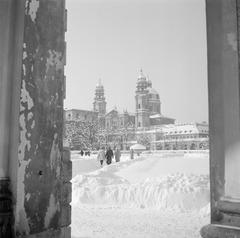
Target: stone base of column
pixel 217 231
pixel 64 232
pixel 6 217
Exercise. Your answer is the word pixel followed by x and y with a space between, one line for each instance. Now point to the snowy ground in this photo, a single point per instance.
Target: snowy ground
pixel 154 195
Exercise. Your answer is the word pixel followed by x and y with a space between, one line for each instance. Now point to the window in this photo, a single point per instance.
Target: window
pixel 139 124
pixel 139 106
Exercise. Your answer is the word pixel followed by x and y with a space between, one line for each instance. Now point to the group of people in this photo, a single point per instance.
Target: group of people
pixel 108 155
pixel 86 153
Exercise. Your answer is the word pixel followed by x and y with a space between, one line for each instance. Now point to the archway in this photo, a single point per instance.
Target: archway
pixel 169 138
pixel 224 94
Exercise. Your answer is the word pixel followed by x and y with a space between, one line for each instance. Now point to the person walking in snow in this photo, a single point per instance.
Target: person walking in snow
pixel 131 153
pixel 117 154
pixel 101 156
pixel 109 155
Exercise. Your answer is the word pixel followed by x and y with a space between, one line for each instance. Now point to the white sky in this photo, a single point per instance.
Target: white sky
pixel 113 39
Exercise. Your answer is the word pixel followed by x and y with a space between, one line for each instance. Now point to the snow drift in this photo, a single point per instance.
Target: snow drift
pixel 169 183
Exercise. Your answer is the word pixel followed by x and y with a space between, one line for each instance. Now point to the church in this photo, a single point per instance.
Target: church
pixel 147 125
pixel 147 113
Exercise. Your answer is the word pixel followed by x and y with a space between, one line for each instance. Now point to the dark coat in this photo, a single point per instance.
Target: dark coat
pixel 109 156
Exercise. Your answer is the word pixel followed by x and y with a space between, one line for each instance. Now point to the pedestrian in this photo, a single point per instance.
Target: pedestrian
pixel 131 153
pixel 101 156
pixel 109 155
pixel 117 154
pixel 82 153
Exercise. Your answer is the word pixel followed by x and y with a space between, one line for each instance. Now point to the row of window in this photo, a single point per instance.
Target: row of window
pixel 186 137
pixel 85 117
pixel 179 132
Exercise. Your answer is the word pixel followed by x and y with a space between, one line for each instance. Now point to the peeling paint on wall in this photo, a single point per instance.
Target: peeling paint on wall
pixel 41 118
pixel 232 40
pixel 55 59
pixel 51 211
pixel 55 156
pixel 28 196
pixel 24 145
pixel 32 8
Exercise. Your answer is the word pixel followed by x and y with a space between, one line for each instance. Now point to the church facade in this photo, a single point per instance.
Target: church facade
pixel 148 109
pixel 146 125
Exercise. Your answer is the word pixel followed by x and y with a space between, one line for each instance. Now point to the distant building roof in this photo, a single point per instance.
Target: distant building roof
pixel 191 128
pixel 159 116
pixel 79 110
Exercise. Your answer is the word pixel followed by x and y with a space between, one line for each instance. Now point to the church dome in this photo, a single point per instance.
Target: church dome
pixel 99 86
pixel 142 82
pixel 149 83
pixel 152 91
pixel 153 94
pixel 141 76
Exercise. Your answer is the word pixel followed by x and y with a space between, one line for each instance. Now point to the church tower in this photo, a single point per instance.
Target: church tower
pixel 147 102
pixel 141 98
pixel 99 104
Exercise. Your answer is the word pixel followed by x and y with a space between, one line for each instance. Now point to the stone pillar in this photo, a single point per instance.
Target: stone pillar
pixel 66 190
pixel 11 37
pixel 41 195
pixel 224 118
pixel 33 163
pixel 5 102
pixel 5 84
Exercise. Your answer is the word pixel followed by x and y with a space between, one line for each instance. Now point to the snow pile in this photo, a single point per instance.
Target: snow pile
pixel 172 183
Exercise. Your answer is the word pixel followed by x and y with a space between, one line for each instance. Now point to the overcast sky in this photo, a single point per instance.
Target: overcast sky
pixel 114 39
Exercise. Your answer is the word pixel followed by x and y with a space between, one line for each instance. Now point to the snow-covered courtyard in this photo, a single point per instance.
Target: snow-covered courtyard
pixel 154 195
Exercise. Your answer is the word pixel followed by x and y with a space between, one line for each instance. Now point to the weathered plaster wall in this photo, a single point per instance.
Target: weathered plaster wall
pixel 42 183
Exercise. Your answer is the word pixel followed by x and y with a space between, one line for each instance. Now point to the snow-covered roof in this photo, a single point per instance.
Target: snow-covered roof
pixel 156 116
pixel 186 129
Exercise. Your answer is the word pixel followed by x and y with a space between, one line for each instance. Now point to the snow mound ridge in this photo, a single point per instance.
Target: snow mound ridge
pixel 171 192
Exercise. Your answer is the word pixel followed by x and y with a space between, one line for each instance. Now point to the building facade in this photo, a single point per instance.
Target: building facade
pixel 80 115
pixel 148 105
pixel 191 136
pixel 147 125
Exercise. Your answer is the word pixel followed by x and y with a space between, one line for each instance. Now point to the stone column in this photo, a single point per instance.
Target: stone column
pixel 11 37
pixel 5 84
pixel 41 195
pixel 5 103
pixel 224 118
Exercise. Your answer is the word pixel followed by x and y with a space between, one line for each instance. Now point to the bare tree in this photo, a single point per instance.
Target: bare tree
pixel 82 135
pixel 144 139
